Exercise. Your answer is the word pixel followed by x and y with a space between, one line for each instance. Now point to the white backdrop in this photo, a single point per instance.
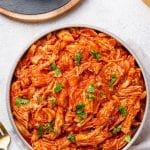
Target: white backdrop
pixel 128 19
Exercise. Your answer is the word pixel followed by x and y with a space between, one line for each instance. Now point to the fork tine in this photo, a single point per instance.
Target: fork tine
pixel 3 129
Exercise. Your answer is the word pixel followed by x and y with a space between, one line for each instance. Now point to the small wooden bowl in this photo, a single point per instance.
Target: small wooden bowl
pixel 35 11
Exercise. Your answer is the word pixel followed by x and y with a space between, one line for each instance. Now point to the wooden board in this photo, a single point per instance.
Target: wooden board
pixel 35 10
pixel 147 2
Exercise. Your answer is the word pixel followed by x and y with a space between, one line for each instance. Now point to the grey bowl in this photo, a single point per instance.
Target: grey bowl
pixel 24 50
pixel 32 7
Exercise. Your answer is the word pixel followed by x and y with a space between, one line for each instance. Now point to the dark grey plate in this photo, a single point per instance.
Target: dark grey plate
pixel 32 7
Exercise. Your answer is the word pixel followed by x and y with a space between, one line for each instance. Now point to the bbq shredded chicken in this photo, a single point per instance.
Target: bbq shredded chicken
pixel 77 89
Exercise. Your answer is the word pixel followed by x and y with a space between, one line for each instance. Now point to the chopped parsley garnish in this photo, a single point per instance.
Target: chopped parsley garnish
pixel 123 111
pixel 71 138
pixel 127 138
pixel 50 126
pixel 91 88
pixel 58 88
pixel 56 70
pixel 90 96
pixel 117 129
pixel 90 92
pixel 40 131
pixel 78 58
pixel 53 100
pixel 21 101
pixel 95 54
pixel 80 111
pixel 80 107
pixel 113 80
pixel 82 114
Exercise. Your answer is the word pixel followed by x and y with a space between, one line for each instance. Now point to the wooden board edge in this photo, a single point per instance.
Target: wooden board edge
pixel 40 17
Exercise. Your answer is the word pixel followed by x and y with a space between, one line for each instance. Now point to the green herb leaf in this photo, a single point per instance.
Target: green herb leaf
pixel 53 100
pixel 58 88
pixel 53 66
pixel 90 96
pixel 78 58
pixel 56 70
pixel 117 129
pixel 80 111
pixel 71 137
pixel 50 126
pixel 95 54
pixel 82 114
pixel 80 107
pixel 40 131
pixel 91 88
pixel 21 101
pixel 90 92
pixel 123 111
pixel 113 80
pixel 127 138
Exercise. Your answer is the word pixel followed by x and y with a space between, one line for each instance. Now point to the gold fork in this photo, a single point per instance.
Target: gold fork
pixel 4 138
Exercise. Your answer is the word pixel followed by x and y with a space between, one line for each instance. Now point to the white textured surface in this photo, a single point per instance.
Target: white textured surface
pixel 128 19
